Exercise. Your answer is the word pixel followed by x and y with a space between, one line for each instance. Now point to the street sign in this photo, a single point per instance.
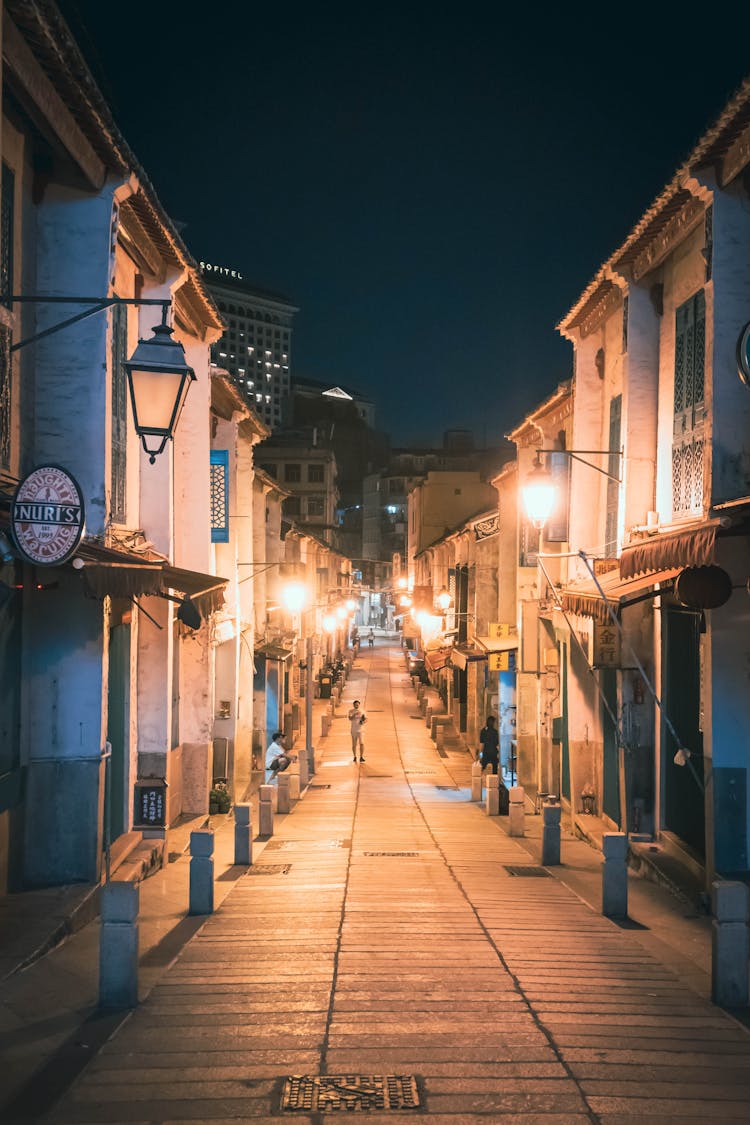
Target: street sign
pixel 606 646
pixel 150 809
pixel 47 516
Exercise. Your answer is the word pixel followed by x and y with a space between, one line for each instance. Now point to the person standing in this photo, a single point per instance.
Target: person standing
pixel 275 750
pixel 371 639
pixel 357 720
pixel 489 740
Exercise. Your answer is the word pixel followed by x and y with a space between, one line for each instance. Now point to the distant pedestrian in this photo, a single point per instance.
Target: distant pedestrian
pixel 489 740
pixel 371 638
pixel 357 720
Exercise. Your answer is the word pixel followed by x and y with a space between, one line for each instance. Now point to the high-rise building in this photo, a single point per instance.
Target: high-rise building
pixel 256 348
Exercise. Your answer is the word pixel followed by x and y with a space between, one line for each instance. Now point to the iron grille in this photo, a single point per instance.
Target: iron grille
pixel 219 495
pixel 349 1093
pixel 7 225
pixel 625 313
pixel 6 371
pixel 689 407
pixel 270 869
pixel 522 872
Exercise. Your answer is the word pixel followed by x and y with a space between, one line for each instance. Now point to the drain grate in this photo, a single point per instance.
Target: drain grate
pixel 309 845
pixel 447 788
pixel 349 1093
pixel 318 787
pixel 420 773
pixel 270 869
pixel 528 872
pixel 416 716
pixel 400 855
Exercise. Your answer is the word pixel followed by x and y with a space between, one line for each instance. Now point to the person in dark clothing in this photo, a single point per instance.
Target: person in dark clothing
pixel 489 739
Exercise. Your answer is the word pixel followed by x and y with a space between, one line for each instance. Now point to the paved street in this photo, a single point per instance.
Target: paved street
pixel 380 933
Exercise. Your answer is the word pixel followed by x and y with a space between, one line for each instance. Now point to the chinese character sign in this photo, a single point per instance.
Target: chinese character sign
pixel 606 646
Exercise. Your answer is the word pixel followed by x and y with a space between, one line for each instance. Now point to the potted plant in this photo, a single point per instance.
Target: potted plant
pixel 219 800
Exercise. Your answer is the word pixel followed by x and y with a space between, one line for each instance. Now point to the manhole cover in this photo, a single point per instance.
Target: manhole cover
pixel 270 869
pixel 400 855
pixel 311 845
pixel 528 872
pixel 349 1093
pixel 447 788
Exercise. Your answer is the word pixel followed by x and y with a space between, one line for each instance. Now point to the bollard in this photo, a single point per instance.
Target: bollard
pixel 311 762
pixel 440 737
pixel 325 725
pixel 492 800
pixel 615 875
pixel 551 835
pixel 118 946
pixel 294 789
pixel 243 835
pixel 476 781
pixel 202 872
pixel 265 810
pixel 420 690
pixel 516 816
pixel 304 769
pixel 729 944
pixel 283 803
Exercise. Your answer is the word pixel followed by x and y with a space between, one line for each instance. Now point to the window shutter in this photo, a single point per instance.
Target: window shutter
pixel 689 407
pixel 556 530
pixel 118 471
pixel 613 487
pixel 219 495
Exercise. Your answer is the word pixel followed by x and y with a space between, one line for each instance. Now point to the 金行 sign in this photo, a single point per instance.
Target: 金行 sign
pixel 606 646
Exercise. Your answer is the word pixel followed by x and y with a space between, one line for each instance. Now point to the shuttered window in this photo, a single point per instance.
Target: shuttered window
pixel 219 495
pixel 119 413
pixel 613 487
pixel 689 407
pixel 556 528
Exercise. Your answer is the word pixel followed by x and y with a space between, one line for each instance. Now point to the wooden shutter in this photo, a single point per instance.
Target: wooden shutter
pixel 613 487
pixel 689 407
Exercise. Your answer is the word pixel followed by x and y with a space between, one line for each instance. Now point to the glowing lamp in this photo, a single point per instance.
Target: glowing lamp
pixel 444 600
pixel 539 494
pixel 159 380
pixel 329 623
pixel 295 596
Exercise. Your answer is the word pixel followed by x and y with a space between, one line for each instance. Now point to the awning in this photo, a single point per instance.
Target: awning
pixel 688 546
pixel 206 591
pixel 127 574
pixel 437 658
pixel 273 652
pixel 464 655
pixel 585 600
pixel 498 644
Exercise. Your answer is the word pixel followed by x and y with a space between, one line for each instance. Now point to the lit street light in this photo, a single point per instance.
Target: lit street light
pixel 539 494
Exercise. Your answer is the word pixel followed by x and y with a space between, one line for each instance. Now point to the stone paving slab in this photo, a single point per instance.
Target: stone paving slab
pixel 511 999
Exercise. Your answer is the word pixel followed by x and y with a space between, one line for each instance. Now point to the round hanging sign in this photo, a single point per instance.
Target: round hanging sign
pixel 47 516
pixel 743 355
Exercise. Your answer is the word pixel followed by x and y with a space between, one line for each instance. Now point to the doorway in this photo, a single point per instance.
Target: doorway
pixel 684 804
pixel 118 702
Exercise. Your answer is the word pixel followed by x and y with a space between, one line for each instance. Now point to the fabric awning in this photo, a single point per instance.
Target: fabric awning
pixel 585 600
pixel 464 655
pixel 128 574
pixel 688 546
pixel 206 591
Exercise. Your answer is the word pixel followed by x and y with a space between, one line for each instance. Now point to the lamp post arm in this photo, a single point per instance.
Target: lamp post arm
pixel 580 454
pixel 99 304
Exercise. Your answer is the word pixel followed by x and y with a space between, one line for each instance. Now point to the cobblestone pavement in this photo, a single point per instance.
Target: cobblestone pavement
pixel 380 933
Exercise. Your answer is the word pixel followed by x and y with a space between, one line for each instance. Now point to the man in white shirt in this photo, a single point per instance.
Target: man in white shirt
pixel 357 720
pixel 274 751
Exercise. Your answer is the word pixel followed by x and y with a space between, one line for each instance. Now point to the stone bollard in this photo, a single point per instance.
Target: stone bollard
pixel 294 789
pixel 325 725
pixel 440 737
pixel 202 872
pixel 516 815
pixel 615 875
pixel 265 810
pixel 420 690
pixel 476 781
pixel 311 762
pixel 492 800
pixel 423 705
pixel 551 835
pixel 118 946
pixel 283 803
pixel 729 945
pixel 243 835
pixel 304 769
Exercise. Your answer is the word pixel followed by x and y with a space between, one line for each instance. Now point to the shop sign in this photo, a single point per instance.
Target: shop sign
pixel 498 629
pixel 502 661
pixel 150 809
pixel 47 516
pixel 606 646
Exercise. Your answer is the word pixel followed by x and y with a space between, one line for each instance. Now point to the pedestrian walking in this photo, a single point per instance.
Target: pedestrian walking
pixel 357 719
pixel 371 638
pixel 489 740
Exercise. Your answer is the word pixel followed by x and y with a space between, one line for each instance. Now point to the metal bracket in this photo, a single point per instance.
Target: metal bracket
pixel 99 305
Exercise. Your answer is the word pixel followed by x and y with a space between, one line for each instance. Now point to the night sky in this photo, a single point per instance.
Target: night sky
pixel 433 186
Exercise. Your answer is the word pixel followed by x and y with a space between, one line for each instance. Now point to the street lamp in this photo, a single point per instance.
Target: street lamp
pixel 444 600
pixel 159 380
pixel 294 595
pixel 539 493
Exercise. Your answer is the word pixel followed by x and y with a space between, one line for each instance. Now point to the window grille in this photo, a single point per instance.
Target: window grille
pixel 118 472
pixel 625 313
pixel 7 226
pixel 708 249
pixel 689 407
pixel 219 495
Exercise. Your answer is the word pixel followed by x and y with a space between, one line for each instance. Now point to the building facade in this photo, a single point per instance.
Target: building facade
pixel 256 346
pixel 309 472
